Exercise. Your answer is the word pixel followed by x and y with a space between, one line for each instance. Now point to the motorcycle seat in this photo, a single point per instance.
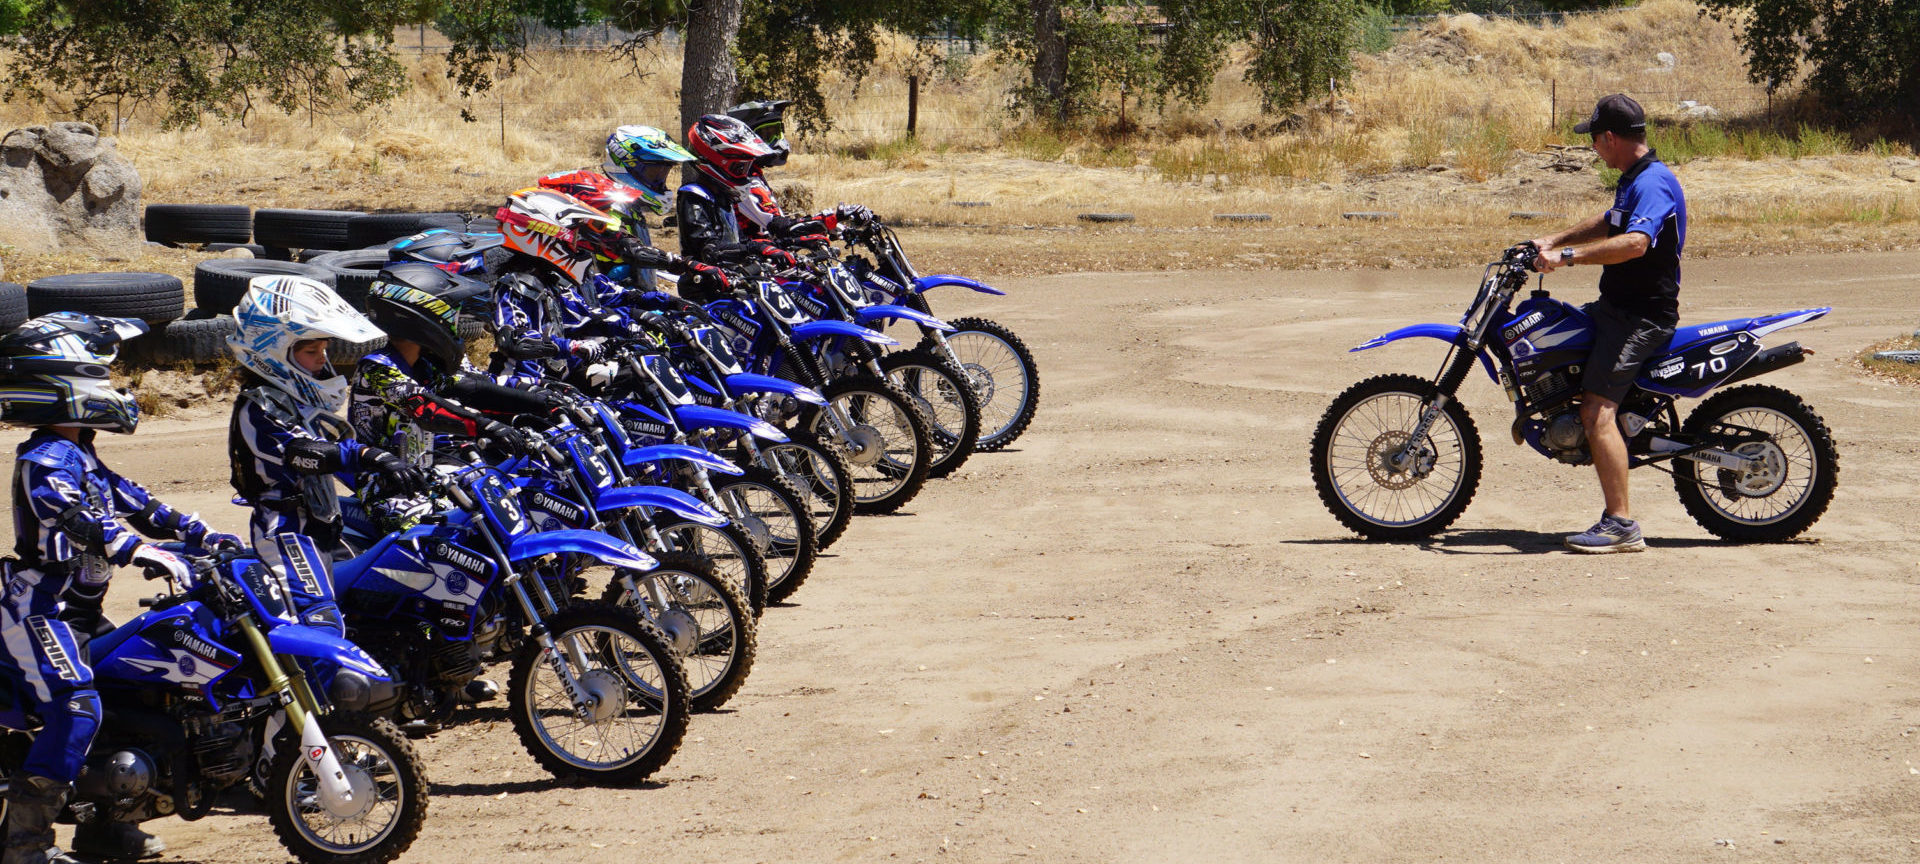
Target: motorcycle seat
pixel 1684 336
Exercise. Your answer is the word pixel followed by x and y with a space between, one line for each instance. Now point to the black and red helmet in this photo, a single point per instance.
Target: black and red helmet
pixel 728 151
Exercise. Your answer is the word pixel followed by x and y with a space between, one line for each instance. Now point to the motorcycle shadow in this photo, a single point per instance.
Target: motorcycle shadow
pixel 503 787
pixel 1510 541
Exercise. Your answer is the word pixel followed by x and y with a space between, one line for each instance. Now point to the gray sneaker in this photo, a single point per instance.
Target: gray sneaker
pixel 1610 534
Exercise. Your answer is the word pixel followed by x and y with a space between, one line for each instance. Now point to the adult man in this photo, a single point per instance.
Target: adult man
pixel 1638 242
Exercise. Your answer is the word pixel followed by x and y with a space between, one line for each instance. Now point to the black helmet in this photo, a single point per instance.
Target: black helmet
pixel 421 303
pixel 769 121
pixel 53 372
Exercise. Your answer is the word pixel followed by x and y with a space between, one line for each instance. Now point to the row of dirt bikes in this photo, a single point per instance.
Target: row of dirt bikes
pixel 612 562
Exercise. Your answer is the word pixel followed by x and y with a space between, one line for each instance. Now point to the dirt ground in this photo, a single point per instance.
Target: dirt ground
pixel 1140 638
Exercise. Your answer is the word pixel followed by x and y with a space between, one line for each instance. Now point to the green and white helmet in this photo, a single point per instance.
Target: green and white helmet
pixel 643 158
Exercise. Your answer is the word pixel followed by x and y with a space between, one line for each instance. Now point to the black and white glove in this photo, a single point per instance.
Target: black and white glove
pixel 590 349
pixel 403 474
pixel 157 563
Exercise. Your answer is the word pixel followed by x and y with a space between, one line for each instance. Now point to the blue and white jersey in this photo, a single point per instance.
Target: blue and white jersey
pixel 1648 201
pixel 68 507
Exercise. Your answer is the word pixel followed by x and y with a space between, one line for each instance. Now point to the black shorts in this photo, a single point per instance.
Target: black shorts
pixel 1622 343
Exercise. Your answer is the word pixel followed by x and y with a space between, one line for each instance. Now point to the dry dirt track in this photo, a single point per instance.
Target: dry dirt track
pixel 1140 638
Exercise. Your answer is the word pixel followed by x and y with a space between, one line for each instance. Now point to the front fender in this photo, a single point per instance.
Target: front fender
pixel 886 312
pixel 746 383
pixel 663 497
pixel 679 453
pixel 316 643
pixel 1448 333
pixel 824 329
pixel 702 417
pixel 941 280
pixel 605 548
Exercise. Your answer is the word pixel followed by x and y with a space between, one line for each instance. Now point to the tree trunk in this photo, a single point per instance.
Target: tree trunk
pixel 1050 57
pixel 707 80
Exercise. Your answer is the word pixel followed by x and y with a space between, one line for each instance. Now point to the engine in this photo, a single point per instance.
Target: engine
pixel 1566 436
pixel 119 775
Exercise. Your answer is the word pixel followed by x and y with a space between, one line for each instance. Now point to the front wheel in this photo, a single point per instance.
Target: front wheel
pixel 705 619
pixel 1002 373
pixel 778 519
pixel 389 801
pixel 823 476
pixel 735 556
pixel 1788 484
pixel 626 709
pixel 1378 478
pixel 886 441
pixel 951 406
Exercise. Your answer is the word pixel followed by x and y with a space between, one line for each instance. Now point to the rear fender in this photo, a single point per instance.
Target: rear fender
pixel 1448 333
pixel 941 280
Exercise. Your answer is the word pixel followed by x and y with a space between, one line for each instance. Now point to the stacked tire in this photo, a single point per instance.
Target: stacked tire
pixel 373 229
pixel 155 298
pixel 175 224
pixel 13 305
pixel 282 231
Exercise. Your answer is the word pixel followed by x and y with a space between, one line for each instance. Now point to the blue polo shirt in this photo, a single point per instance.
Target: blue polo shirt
pixel 1648 201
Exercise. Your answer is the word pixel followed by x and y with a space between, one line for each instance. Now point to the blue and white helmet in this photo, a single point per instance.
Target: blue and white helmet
pixel 279 312
pixel 53 372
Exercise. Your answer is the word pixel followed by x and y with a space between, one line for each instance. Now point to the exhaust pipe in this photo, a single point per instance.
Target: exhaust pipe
pixel 1771 360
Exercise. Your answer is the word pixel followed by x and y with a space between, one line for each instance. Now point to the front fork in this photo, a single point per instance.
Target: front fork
pixel 1452 373
pixel 303 710
pixel 563 657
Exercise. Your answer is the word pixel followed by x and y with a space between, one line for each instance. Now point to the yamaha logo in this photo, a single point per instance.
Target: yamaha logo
pixel 195 644
pixel 646 427
pixel 1514 330
pixel 558 507
pixel 458 557
pixel 734 320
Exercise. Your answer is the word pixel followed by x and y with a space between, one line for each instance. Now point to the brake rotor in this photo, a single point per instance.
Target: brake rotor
pixel 980 380
pixel 865 445
pixel 1380 456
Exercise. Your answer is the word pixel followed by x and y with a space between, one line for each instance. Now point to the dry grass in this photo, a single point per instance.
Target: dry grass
pixel 1468 99
pixel 1891 370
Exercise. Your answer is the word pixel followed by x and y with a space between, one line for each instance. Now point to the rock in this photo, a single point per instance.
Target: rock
pixel 64 186
pixel 1666 63
pixel 1691 110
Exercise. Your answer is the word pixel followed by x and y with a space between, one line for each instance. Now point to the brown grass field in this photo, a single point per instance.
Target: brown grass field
pixel 1452 128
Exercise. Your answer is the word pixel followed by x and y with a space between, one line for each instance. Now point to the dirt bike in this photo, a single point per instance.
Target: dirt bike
pixel 1396 457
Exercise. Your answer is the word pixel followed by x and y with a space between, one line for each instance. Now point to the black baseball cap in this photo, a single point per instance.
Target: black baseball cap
pixel 1616 113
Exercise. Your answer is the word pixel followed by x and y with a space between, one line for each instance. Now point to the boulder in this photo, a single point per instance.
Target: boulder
pixel 63 186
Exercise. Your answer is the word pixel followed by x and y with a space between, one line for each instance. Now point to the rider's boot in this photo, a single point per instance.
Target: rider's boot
pixel 105 838
pixel 32 804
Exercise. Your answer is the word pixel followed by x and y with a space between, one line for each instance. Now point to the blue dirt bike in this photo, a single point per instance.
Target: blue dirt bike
pixel 1396 457
pixel 192 688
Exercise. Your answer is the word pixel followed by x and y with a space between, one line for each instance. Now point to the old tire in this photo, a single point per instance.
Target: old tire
pixel 13 305
pixel 174 224
pixel 372 229
pixel 155 298
pixel 186 340
pixel 219 284
pixel 353 272
pixel 303 229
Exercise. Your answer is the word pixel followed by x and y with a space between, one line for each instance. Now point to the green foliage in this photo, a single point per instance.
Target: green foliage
pixel 13 15
pixel 1864 54
pixel 1374 29
pixel 206 56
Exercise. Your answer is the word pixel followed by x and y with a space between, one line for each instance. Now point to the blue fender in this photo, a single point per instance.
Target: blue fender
pixel 941 280
pixel 699 383
pixel 663 497
pixel 316 643
pixel 823 329
pixel 899 313
pixel 679 453
pixel 702 417
pixel 748 382
pixel 605 548
pixel 1447 333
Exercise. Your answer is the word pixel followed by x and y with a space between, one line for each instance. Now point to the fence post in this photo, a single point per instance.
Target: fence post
pixel 1553 101
pixel 913 105
pixel 503 128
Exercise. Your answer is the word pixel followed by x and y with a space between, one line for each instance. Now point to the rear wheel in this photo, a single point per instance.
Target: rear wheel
pixel 388 805
pixel 632 704
pixel 1788 484
pixel 951 406
pixel 1377 477
pixel 707 623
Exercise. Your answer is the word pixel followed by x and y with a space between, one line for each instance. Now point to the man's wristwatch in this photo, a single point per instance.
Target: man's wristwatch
pixel 1566 256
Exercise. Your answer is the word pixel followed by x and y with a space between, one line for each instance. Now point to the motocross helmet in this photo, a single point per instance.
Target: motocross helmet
pixel 729 152
pixel 642 158
pixel 540 223
pixel 767 120
pixel 278 312
pixel 462 252
pixel 595 190
pixel 53 372
pixel 421 303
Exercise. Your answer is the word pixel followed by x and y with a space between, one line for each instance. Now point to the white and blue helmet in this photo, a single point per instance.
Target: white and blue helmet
pixel 279 312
